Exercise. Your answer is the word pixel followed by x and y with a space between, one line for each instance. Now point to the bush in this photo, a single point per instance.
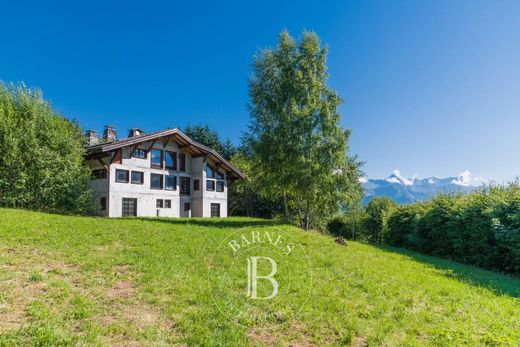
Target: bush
pixel 378 211
pixel 482 228
pixel 41 155
pixel 349 225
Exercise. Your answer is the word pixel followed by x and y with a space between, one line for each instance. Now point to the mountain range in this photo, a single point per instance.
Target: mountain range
pixel 405 190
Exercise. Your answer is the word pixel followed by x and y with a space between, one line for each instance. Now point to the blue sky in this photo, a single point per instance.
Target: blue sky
pixel 430 87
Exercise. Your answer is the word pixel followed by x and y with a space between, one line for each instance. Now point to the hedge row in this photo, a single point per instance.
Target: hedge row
pixel 481 229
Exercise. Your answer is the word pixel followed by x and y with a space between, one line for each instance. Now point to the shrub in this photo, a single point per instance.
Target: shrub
pixel 482 228
pixel 378 211
pixel 349 225
pixel 41 155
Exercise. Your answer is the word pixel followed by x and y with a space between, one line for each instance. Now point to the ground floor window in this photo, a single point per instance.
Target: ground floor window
pixel 159 203
pixel 186 206
pixel 129 207
pixel 167 204
pixel 215 210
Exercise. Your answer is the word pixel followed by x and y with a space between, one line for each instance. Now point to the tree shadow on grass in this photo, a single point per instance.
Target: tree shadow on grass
pixel 494 281
pixel 214 222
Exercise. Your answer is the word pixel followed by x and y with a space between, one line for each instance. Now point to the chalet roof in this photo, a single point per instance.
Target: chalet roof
pixel 195 148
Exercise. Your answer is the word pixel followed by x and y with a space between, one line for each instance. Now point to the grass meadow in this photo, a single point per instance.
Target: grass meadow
pixel 68 280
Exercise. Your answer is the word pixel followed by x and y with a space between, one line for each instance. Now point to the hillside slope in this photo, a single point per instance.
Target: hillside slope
pixel 79 280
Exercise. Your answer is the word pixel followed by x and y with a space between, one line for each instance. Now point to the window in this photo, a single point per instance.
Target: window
pixel 137 177
pixel 171 182
pixel 139 153
pixel 219 176
pixel 220 186
pixel 171 160
pixel 185 185
pixel 167 204
pixel 156 181
pixel 122 176
pixel 98 174
pixel 210 185
pixel 159 203
pixel 215 210
pixel 103 203
pixel 186 206
pixel 210 173
pixel 157 158
pixel 129 207
pixel 196 184
pixel 182 162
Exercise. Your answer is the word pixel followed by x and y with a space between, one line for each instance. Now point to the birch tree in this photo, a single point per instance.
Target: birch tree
pixel 301 150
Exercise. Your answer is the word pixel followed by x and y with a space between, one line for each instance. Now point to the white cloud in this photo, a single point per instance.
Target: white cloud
pixel 363 180
pixel 466 179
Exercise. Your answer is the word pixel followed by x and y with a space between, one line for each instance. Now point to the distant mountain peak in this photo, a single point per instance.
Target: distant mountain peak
pixel 407 190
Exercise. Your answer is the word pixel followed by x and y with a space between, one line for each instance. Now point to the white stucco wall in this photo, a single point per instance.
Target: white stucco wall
pixel 200 201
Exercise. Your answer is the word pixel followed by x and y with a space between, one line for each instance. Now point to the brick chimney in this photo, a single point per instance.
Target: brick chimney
pixel 92 137
pixel 110 133
pixel 135 132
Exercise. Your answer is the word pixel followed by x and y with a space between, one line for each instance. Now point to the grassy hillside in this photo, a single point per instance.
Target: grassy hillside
pixel 79 280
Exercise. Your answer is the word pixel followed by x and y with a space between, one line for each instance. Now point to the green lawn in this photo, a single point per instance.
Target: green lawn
pixel 92 281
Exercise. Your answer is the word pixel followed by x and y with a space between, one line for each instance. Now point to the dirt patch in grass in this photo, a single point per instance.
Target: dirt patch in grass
pixel 295 335
pixel 359 341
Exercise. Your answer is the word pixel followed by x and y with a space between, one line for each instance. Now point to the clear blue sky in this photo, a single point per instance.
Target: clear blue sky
pixel 431 87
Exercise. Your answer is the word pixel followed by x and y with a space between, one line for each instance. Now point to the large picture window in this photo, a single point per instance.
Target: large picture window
pixel 122 176
pixel 171 160
pixel 171 182
pixel 156 181
pixel 156 158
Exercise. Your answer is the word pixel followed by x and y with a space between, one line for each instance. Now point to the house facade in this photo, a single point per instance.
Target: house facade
pixel 164 173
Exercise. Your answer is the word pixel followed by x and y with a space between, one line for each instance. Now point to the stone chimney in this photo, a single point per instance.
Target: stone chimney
pixel 135 132
pixel 92 137
pixel 109 134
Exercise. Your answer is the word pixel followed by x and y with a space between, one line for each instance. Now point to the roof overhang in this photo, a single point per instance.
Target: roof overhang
pixel 195 148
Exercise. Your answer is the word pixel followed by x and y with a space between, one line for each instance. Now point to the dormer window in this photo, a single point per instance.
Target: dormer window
pixel 139 153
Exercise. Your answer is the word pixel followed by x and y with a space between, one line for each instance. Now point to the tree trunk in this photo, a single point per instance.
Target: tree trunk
pixel 286 208
pixel 307 215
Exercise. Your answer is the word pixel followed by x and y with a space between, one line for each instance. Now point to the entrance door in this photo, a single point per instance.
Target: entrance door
pixel 129 207
pixel 215 210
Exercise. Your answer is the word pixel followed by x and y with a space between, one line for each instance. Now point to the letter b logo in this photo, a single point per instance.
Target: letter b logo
pixel 253 277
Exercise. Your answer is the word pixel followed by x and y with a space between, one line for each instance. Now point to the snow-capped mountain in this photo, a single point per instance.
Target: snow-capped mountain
pixel 405 190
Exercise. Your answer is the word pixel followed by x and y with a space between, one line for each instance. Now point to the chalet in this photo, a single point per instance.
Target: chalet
pixel 163 173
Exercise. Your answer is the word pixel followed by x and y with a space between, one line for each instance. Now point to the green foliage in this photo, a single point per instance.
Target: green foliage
pixel 350 225
pixel 209 137
pixel 378 211
pixel 301 152
pixel 482 228
pixel 246 197
pixel 41 155
pixel 137 282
